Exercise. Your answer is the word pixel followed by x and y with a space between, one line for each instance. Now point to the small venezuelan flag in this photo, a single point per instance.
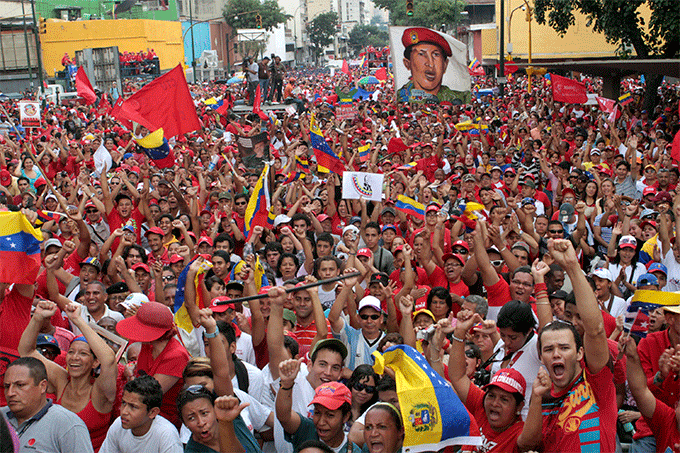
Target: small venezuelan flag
pixel 408 166
pixel 625 98
pixel 364 152
pixel 410 206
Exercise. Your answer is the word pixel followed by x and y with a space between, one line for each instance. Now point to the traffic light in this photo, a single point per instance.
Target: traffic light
pixel 409 7
pixel 43 26
pixel 258 21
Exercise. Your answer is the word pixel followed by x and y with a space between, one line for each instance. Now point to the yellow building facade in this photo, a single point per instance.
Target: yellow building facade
pixel 580 41
pixel 131 35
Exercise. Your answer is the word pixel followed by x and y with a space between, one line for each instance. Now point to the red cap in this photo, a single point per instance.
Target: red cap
pixel 417 35
pixel 205 240
pixel 461 243
pixel 332 395
pixel 5 178
pixel 176 259
pixel 510 380
pixel 221 308
pixel 568 190
pixel 140 266
pixel 458 256
pixel 154 230
pixel 321 217
pixel 649 190
pixel 39 182
pixel 432 207
pixel 365 252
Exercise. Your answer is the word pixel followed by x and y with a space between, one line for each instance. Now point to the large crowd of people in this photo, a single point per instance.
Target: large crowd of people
pixel 129 340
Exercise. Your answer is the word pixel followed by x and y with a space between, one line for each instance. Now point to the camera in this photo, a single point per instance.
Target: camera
pixel 425 334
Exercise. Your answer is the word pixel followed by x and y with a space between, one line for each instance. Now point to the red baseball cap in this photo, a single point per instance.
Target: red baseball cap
pixel 649 190
pixel 140 266
pixel 322 217
pixel 5 178
pixel 365 252
pixel 176 259
pixel 332 395
pixel 458 256
pixel 510 380
pixel 154 230
pixel 205 240
pixel 461 243
pixel 221 308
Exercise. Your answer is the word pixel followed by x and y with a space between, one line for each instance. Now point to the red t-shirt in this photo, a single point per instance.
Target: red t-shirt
pixel 492 441
pixel 429 165
pixel 170 362
pixel 582 417
pixel 664 427
pixel 498 295
pixel 15 313
pixel 447 239
pixel 305 335
pixel 115 221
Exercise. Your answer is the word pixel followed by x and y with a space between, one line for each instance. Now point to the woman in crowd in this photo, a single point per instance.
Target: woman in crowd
pixel 76 387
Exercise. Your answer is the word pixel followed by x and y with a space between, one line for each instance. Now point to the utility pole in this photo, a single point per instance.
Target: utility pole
pixel 501 53
pixel 38 49
pixel 28 50
pixel 193 48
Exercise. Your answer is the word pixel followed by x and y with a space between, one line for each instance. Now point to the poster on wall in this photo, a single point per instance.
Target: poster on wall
pixel 429 66
pixel 30 114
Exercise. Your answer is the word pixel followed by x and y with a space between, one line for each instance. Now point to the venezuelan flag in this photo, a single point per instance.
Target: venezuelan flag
pixel 259 276
pixel 326 159
pixel 469 209
pixel 182 318
pixel 432 414
pixel 364 152
pixel 302 163
pixel 642 304
pixel 157 148
pixel 625 98
pixel 464 126
pixel 47 216
pixel 292 177
pixel 408 166
pixel 410 206
pixel 647 251
pixel 19 249
pixel 257 210
pixel 474 64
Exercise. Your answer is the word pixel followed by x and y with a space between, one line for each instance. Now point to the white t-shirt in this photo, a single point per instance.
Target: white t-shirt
pixel 615 269
pixel 303 394
pixel 673 282
pixel 255 381
pixel 162 437
pixel 619 306
pixel 525 361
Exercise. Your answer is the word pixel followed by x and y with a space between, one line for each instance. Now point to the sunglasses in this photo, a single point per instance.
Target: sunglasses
pixel 373 317
pixel 198 390
pixel 241 204
pixel 91 211
pixel 167 278
pixel 460 251
pixel 556 231
pixel 359 387
pixel 46 351
pixel 496 263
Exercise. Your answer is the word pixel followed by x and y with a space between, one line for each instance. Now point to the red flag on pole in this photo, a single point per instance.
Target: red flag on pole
pixel 568 90
pixel 345 67
pixel 165 102
pixel 84 87
pixel 257 105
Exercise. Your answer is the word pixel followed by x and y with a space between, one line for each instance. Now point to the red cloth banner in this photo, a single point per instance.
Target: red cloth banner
pixel 568 90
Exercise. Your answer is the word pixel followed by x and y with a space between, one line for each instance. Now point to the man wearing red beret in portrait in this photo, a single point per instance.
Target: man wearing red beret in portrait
pixel 426 55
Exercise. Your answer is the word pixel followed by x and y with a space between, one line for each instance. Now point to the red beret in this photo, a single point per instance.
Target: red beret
pixel 417 35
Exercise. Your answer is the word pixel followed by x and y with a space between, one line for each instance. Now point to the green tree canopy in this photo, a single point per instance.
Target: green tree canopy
pixel 622 23
pixel 321 31
pixel 241 14
pixel 426 13
pixel 362 36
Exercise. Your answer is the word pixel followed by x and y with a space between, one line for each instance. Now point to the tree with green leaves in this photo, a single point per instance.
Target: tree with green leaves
pixel 321 31
pixel 426 13
pixel 623 23
pixel 241 14
pixel 363 36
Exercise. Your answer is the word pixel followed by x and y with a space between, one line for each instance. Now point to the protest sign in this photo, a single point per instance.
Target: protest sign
pixel 357 185
pixel 254 151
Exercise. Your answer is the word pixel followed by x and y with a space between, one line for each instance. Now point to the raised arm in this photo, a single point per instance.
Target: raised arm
pixel 637 380
pixel 459 380
pixel 219 361
pixel 595 338
pixel 289 419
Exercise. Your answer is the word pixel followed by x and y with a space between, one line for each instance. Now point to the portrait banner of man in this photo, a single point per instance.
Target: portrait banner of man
pixel 254 151
pixel 429 66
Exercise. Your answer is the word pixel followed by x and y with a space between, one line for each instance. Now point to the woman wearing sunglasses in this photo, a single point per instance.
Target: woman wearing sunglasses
pixel 362 384
pixel 210 420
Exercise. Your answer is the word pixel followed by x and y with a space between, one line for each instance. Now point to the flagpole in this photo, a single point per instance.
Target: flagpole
pixel 290 290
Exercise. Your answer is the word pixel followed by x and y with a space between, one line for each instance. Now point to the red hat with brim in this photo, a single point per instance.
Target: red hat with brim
pixel 332 395
pixel 221 308
pixel 151 322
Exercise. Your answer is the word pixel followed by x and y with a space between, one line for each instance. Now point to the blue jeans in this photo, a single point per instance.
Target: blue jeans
pixel 643 445
pixel 264 86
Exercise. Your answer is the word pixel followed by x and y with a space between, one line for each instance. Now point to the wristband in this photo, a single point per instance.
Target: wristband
pixel 540 287
pixel 211 335
pixel 286 388
pixel 455 338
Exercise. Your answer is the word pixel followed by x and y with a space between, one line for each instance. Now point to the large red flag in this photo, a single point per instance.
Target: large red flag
pixel 257 105
pixel 84 87
pixel 381 74
pixel 568 90
pixel 164 103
